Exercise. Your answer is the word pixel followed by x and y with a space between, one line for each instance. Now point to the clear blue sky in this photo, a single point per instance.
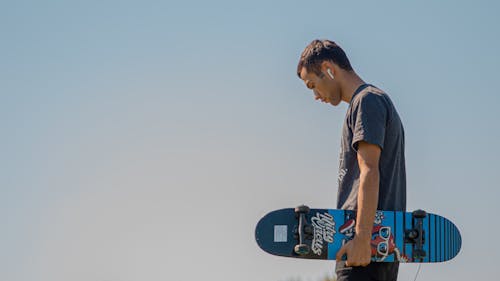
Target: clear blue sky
pixel 143 140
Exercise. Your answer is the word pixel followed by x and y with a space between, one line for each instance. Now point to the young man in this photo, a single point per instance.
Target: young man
pixel 372 162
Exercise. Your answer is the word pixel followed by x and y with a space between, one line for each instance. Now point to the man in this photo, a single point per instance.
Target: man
pixel 372 163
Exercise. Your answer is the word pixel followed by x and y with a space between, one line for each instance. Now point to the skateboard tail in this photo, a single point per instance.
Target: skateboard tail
pixel 456 239
pixel 444 239
pixel 278 240
pixel 280 233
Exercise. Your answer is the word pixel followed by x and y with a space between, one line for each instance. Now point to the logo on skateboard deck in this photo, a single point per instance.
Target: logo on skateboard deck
pixel 324 230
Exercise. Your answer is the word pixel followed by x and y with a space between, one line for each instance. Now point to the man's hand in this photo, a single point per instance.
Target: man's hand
pixel 358 251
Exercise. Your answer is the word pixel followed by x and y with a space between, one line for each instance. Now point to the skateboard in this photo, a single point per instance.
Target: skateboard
pixel 406 237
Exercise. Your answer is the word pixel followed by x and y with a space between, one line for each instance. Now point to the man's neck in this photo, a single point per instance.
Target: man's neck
pixel 351 83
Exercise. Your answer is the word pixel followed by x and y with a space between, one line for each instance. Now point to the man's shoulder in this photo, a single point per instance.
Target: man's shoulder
pixel 369 93
pixel 370 96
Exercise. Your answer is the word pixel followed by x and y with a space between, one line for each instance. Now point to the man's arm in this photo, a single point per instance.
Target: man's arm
pixel 358 250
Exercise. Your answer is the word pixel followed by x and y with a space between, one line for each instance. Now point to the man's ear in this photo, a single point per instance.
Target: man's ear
pixel 328 69
pixel 327 65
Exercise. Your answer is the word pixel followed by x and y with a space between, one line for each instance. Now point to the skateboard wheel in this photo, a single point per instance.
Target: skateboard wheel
pixel 308 229
pixel 412 234
pixel 419 254
pixel 301 249
pixel 419 214
pixel 302 209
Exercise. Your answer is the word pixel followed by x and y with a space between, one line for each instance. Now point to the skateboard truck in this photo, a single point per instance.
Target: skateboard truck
pixel 416 235
pixel 304 229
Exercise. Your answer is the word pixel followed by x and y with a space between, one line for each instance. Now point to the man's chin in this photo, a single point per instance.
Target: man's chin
pixel 334 103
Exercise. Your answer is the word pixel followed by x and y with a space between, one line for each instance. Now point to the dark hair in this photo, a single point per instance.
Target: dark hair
pixel 320 50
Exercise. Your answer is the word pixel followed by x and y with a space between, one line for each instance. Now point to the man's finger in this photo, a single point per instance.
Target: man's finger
pixel 341 252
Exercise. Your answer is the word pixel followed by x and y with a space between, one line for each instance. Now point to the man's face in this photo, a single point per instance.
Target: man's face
pixel 324 88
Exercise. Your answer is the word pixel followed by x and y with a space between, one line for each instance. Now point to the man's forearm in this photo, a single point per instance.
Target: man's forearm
pixel 367 202
pixel 358 250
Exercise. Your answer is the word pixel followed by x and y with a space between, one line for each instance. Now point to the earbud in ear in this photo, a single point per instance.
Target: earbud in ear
pixel 329 71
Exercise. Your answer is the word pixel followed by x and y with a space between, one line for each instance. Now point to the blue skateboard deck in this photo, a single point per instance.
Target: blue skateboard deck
pixel 397 236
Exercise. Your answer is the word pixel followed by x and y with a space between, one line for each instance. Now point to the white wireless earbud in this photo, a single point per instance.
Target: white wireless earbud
pixel 329 73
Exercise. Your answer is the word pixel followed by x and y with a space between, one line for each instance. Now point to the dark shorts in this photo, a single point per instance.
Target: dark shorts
pixel 381 271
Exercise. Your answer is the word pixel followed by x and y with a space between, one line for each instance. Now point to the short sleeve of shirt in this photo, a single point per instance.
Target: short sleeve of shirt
pixel 369 120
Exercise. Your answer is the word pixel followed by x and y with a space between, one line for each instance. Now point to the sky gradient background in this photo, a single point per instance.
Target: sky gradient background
pixel 143 140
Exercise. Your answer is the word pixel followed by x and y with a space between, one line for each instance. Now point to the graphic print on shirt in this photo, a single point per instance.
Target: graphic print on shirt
pixel 342 169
